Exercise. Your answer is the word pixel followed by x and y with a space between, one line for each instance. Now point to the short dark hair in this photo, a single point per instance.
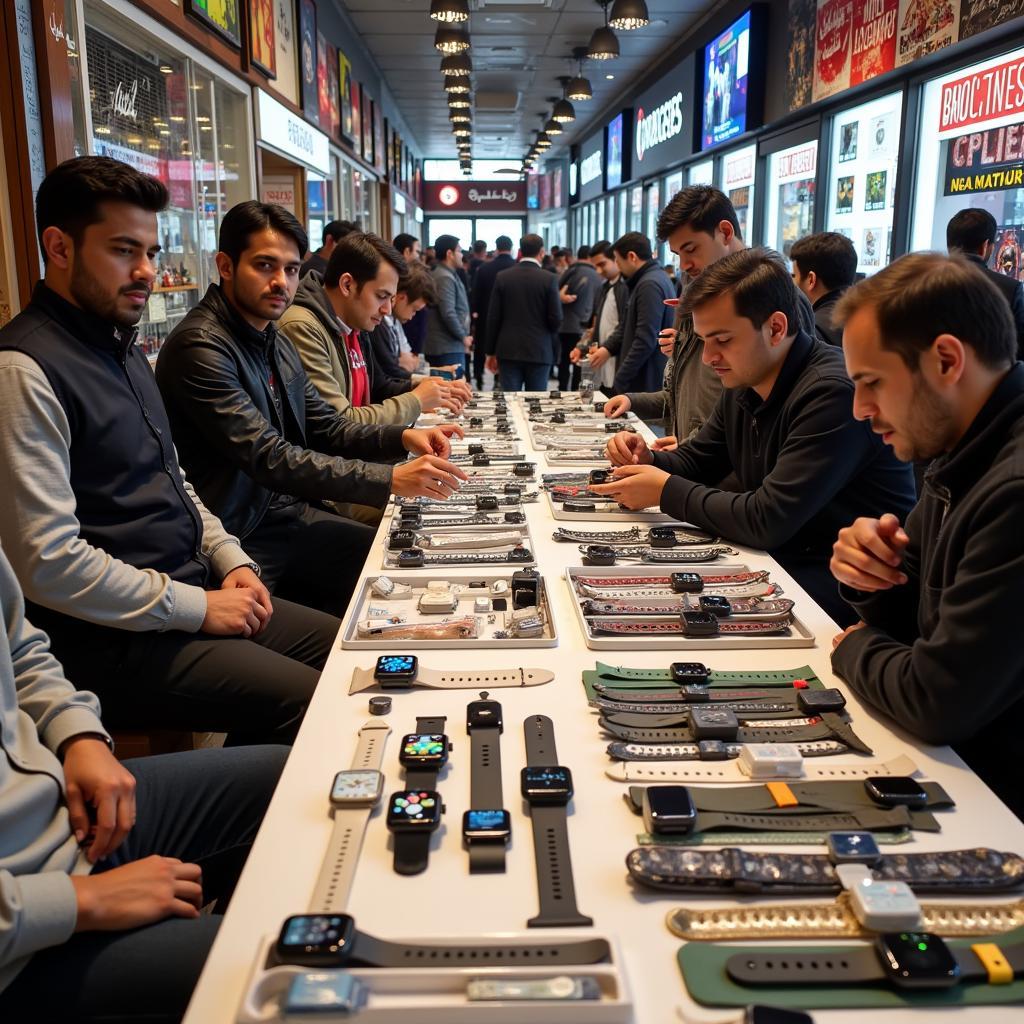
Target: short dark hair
pixel 759 282
pixel 970 229
pixel 479 246
pixel 601 248
pixel 699 207
pixel 830 255
pixel 924 294
pixel 404 241
pixel 443 245
pixel 583 252
pixel 531 245
pixel 71 195
pixel 503 243
pixel 633 241
pixel 418 283
pixel 244 220
pixel 360 255
pixel 338 229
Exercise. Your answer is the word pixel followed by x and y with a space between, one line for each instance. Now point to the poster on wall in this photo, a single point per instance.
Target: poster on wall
pixel 220 15
pixel 367 122
pixel 1008 258
pixel 883 135
pixel 323 93
pixel 980 15
pixel 285 62
pixel 874 39
pixel 345 94
pixel 844 194
pixel 871 247
pixel 832 47
pixel 800 55
pixel 726 67
pixel 307 59
pixel 848 141
pixel 378 138
pixel 985 161
pixel 924 27
pixel 874 190
pixel 333 95
pixel 357 114
pixel 262 47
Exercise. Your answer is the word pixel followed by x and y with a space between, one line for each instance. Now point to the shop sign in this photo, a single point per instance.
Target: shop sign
pixel 592 166
pixel 798 163
pixel 986 161
pixel 987 94
pixel 127 91
pixel 739 169
pixel 144 162
pixel 663 122
pixel 280 191
pixel 476 196
pixel 287 132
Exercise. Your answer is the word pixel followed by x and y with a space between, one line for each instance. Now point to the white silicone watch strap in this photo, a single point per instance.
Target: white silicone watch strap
pixel 362 679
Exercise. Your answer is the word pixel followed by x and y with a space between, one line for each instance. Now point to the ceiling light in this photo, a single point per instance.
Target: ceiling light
pixel 544 143
pixel 451 40
pixel 563 112
pixel 452 11
pixel 579 89
pixel 457 64
pixel 552 127
pixel 609 77
pixel 459 116
pixel 604 45
pixel 455 84
pixel 459 102
pixel 627 15
pixel 462 131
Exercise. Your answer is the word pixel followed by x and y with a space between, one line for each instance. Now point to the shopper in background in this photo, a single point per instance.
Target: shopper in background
pixel 480 303
pixel 414 330
pixel 264 448
pixel 523 318
pixel 972 233
pixel 476 260
pixel 335 231
pixel 824 266
pixel 577 290
pixel 560 260
pixel 448 324
pixel 604 338
pixel 147 599
pixel 931 350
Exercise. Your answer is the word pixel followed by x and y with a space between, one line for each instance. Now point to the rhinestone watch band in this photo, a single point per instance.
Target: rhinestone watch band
pixel 627 627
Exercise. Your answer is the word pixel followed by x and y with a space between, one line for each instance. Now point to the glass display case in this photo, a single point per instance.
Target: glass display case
pixel 789 206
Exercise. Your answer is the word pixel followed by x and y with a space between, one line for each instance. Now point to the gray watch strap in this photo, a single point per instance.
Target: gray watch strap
pixel 485 793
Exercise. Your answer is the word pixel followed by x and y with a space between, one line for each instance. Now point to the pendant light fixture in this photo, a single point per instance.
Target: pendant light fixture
pixel 458 102
pixel 449 11
pixel 604 44
pixel 451 40
pixel 455 85
pixel 629 14
pixel 564 112
pixel 579 88
pixel 457 64
pixel 552 127
pixel 459 116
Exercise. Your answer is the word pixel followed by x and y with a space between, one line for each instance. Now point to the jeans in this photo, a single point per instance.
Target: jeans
pixel 203 807
pixel 515 373
pixel 449 359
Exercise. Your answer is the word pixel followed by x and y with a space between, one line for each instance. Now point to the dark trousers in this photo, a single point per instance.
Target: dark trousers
pixel 203 807
pixel 254 690
pixel 515 374
pixel 567 342
pixel 479 358
pixel 310 556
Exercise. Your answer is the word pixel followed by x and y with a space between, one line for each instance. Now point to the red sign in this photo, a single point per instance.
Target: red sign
pixel 832 47
pixel 475 196
pixel 798 161
pixel 997 91
pixel 874 39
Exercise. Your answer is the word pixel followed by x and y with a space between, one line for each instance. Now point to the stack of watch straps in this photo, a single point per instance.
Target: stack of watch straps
pixel 330 894
pixel 485 792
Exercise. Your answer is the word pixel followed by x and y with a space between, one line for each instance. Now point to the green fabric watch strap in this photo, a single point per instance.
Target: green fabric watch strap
pixel 784 677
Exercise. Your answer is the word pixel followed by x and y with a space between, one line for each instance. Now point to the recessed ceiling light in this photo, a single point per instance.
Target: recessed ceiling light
pixel 609 77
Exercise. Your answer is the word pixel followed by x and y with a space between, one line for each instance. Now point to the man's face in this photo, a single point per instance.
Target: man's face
pixel 627 265
pixel 803 283
pixel 607 268
pixel 112 268
pixel 262 284
pixel 455 257
pixel 697 250
pixel 912 417
pixel 404 310
pixel 363 308
pixel 412 254
pixel 740 354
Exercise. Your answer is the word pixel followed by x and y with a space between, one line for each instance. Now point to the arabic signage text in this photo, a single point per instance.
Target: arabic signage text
pixel 479 196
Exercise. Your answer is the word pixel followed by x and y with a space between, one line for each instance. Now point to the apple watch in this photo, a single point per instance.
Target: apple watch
pixel 424 753
pixel 403 671
pixel 668 810
pixel 486 826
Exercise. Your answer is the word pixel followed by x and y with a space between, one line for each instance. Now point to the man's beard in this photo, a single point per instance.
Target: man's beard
pixel 90 294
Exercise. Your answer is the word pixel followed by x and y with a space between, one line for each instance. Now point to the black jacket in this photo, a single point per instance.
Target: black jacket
pixel 1014 292
pixel 641 365
pixel 524 314
pixel 583 281
pixel 823 317
pixel 806 468
pixel 483 288
pixel 239 443
pixel 614 341
pixel 388 374
pixel 941 654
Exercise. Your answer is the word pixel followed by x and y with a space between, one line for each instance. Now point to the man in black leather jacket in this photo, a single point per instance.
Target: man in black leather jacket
pixel 263 448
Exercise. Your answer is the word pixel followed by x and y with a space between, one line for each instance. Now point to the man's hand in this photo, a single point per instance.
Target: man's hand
pixel 625 449
pixel 468 342
pixel 840 637
pixel 94 778
pixel 408 361
pixel 667 341
pixel 867 555
pixel 243 577
pixel 137 894
pixel 460 390
pixel 617 406
pixel 635 487
pixel 236 611
pixel 575 355
pixel 563 294
pixel 665 444
pixel 427 476
pixel 435 391
pixel 598 357
pixel 433 441
pixel 491 362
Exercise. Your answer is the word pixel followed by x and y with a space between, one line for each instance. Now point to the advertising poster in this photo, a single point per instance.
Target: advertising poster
pixel 871 247
pixel 357 114
pixel 345 94
pixel 614 160
pixel 796 213
pixel 378 138
pixel 367 122
pixel 874 190
pixel 262 48
pixel 323 95
pixel 979 15
pixel 924 27
pixel 286 62
pixel 800 56
pixel 985 161
pixel 832 47
pixel 726 63
pixel 220 15
pixel 307 59
pixel 848 141
pixel 844 194
pixel 1007 256
pixel 874 39
pixel 883 130
pixel 332 91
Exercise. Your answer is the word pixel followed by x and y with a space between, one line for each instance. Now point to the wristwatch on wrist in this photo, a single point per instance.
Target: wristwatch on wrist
pixel 354 794
pixel 403 671
pixel 487 825
pixel 546 786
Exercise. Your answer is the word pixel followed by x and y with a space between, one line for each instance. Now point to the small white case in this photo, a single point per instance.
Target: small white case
pixel 771 761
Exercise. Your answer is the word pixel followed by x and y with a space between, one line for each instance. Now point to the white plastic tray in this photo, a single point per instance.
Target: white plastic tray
pixel 612 515
pixel 521 528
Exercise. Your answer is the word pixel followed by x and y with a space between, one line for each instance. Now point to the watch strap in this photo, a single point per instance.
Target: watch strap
pixel 363 679
pixel 668 627
pixel 485 792
pixel 851 967
pixel 621 750
pixel 431 724
pixel 774 732
pixel 555 887
pixel 539 734
pixel 717 678
pixel 412 852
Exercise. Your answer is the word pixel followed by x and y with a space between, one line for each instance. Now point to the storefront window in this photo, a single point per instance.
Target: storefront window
pixel 789 214
pixel 862 177
pixel 702 173
pixel 636 208
pixel 653 202
pixel 736 180
pixel 622 199
pixel 969 161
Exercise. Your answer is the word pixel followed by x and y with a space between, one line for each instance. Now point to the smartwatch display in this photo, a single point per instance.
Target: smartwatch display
pixel 689 673
pixel 396 670
pixel 356 787
pixel 715 604
pixel 424 750
pixel 698 623
pixel 817 701
pixel 486 826
pixel 896 791
pixel 917 960
pixel 687 582
pixel 315 940
pixel 853 848
pixel 668 810
pixel 414 810
pixel 546 786
pixel 711 723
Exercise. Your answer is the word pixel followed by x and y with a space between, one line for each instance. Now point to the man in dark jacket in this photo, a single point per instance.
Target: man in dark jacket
pixel 824 266
pixel 604 336
pixel 783 425
pixel 577 288
pixel 641 365
pixel 335 231
pixel 264 448
pixel 522 320
pixel 480 302
pixel 931 352
pixel 973 233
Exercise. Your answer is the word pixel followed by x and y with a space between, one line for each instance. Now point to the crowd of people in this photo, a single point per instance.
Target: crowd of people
pixel 179 544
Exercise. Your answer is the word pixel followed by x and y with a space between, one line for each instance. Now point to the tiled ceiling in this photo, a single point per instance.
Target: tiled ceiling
pixel 519 49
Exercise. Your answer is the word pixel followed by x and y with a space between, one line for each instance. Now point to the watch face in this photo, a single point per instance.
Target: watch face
pixel 412 810
pixel 699 623
pixel 917 960
pixel 687 582
pixel 711 723
pixel 716 604
pixel 547 785
pixel 831 699
pixel 689 672
pixel 487 826
pixel 315 939
pixel 853 848
pixel 401 539
pixel 668 810
pixel 900 790
pixel 424 750
pixel 396 669
pixel 357 787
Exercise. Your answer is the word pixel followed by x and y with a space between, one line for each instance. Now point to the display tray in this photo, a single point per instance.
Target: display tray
pixel 437 995
pixel 390 559
pixel 603 515
pixel 799 635
pixel 477 584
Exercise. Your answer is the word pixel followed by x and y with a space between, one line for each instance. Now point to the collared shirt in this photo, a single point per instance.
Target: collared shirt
pixel 360 392
pixel 529 259
pixel 610 314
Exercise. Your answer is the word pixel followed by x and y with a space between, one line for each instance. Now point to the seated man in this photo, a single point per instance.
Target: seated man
pixel 147 599
pixel 261 446
pixel 930 346
pixel 99 916
pixel 783 425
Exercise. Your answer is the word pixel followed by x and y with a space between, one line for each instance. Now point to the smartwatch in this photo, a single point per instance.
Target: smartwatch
pixel 900 790
pixel 486 826
pixel 668 810
pixel 396 671
pixel 424 753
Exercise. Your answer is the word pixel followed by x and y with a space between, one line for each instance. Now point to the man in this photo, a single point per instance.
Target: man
pixel 972 232
pixel 931 353
pixel 701 227
pixel 641 363
pixel 604 338
pixel 560 260
pixel 147 599
pixel 84 890
pixel 448 338
pixel 335 231
pixel 476 260
pixel 481 300
pixel 824 266
pixel 783 425
pixel 414 330
pixel 262 446
pixel 577 290
pixel 523 315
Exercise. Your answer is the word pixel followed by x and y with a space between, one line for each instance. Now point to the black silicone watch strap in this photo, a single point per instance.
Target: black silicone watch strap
pixel 854 966
pixel 412 852
pixel 539 734
pixel 425 778
pixel 485 793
